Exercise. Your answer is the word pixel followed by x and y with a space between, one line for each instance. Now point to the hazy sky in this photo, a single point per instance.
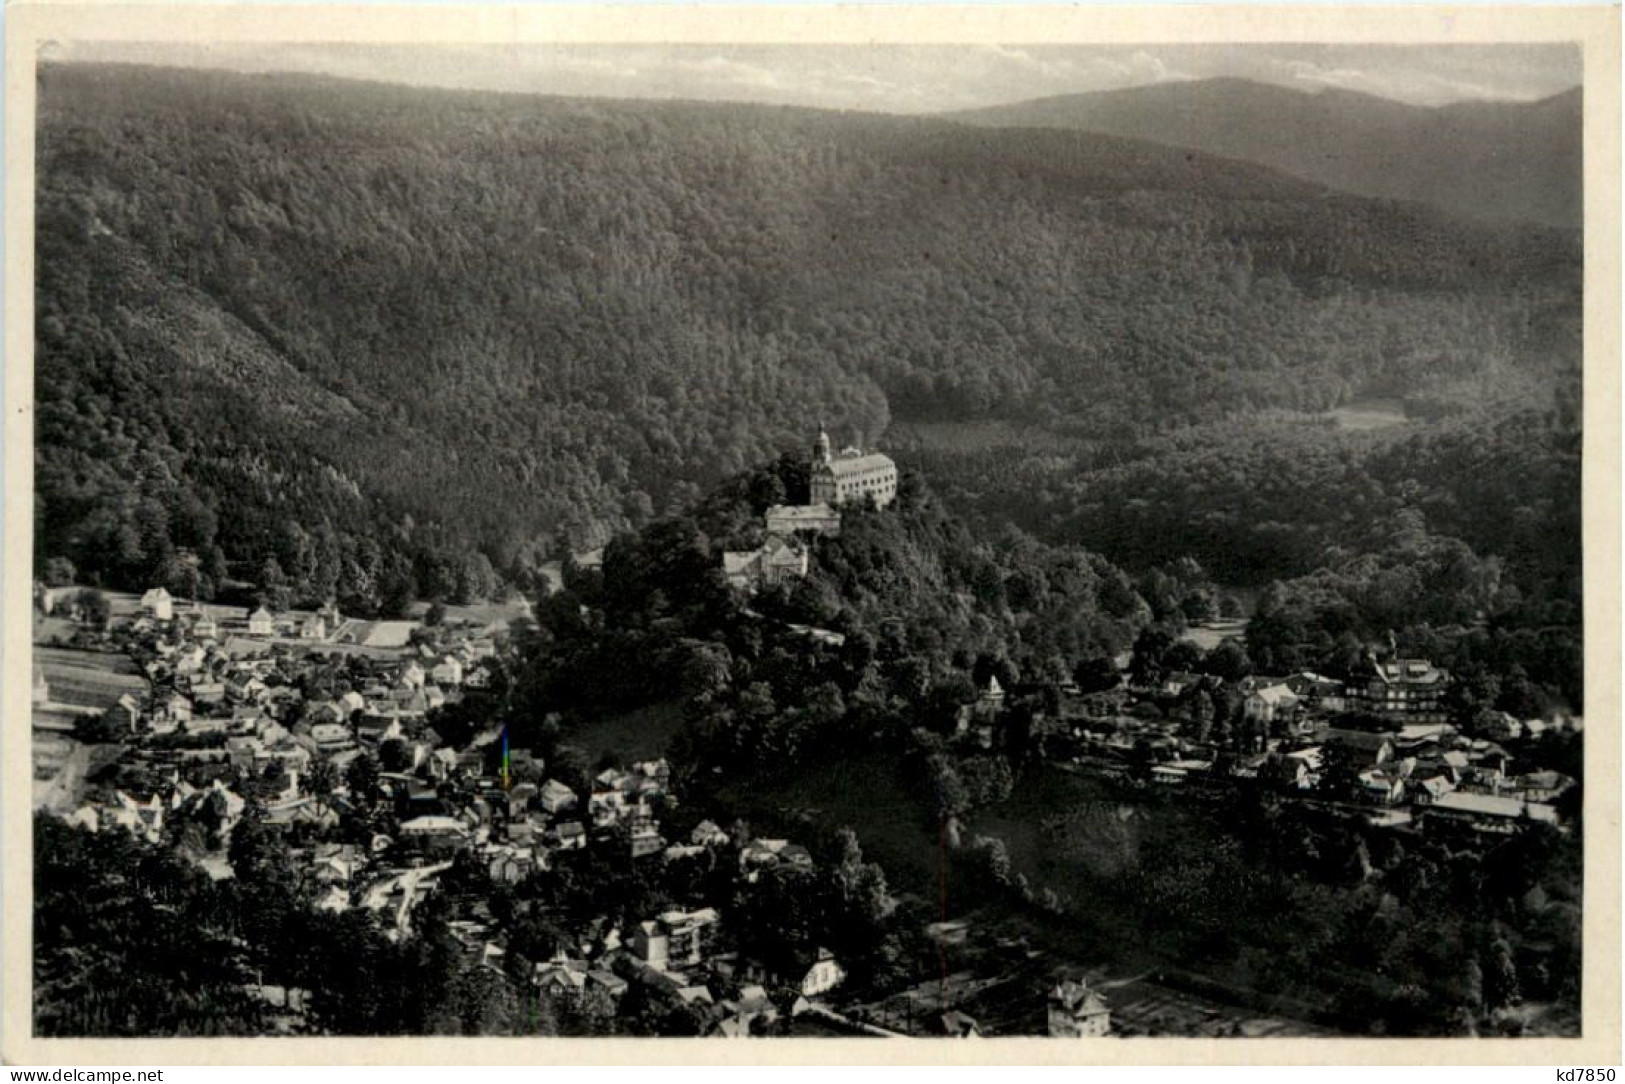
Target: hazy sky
pixel 902 79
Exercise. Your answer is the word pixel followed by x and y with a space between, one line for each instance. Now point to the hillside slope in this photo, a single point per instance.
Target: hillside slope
pixel 391 337
pixel 1495 160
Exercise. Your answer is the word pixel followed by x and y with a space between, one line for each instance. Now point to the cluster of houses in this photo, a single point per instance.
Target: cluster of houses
pixel 681 957
pixel 678 956
pixel 325 625
pixel 1381 745
pixel 273 712
pixel 223 701
pixel 223 728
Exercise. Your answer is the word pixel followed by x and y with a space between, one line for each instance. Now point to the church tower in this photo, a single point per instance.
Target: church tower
pixel 821 453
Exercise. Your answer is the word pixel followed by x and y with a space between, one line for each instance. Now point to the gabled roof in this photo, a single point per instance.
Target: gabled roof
pixel 1411 672
pixel 1365 740
pixel 1077 998
pixel 795 512
pixel 852 462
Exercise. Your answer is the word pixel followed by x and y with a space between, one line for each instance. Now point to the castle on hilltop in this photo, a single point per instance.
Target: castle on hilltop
pixel 835 480
pixel 851 476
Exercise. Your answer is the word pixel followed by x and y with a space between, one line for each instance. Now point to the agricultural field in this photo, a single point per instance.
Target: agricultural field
pixel 88 679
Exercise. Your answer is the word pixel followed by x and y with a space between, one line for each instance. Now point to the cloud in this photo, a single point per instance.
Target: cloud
pixel 1415 85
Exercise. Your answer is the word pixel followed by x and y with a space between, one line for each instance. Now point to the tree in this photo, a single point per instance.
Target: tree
pixel 1096 675
pixel 98 729
pixel 92 607
pixel 435 615
pixel 1147 666
pixel 1182 656
pixel 1228 660
pixel 58 572
pixel 274 593
pixel 322 778
pixel 361 778
pixel 395 755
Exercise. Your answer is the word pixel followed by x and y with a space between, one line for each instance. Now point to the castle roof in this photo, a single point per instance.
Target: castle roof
pixel 848 463
pixel 794 512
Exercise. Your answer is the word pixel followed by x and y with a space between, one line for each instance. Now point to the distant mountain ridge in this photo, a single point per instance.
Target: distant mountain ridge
pixel 1501 160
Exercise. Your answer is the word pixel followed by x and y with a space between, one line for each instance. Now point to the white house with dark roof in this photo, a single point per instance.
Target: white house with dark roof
pixel 261 623
pixel 158 603
pixel 1077 1012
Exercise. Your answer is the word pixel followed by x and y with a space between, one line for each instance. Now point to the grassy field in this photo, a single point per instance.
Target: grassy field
pixel 1211 635
pixel 1363 415
pixel 478 613
pixel 91 679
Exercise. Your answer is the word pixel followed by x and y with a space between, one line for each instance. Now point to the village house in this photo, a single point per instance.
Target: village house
pixel 707 834
pixel 689 935
pixel 313 628
pixel 1318 692
pixel 158 604
pixel 1077 1012
pixel 561 976
pixel 1541 786
pixel 412 675
pixel 126 713
pixel 1358 747
pixel 1270 703
pixel 142 819
pixel 569 835
pixel 1487 813
pixel 510 865
pixel 331 737
pixel 1380 786
pixel 1176 683
pixel 777 561
pixel 957 1025
pixel 448 671
pixel 172 707
pixel 204 626
pixel 1498 726
pixel 555 797
pixel 436 831
pixel 760 854
pixel 818 975
pixel 646 840
pixel 331 617
pixel 606 808
pixel 261 623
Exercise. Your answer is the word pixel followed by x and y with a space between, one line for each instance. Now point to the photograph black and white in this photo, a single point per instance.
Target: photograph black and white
pixel 763 541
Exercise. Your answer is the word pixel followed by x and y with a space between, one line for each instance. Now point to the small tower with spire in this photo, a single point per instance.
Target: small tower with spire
pixel 821 452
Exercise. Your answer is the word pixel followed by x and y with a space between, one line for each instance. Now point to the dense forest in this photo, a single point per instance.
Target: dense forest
pixel 346 340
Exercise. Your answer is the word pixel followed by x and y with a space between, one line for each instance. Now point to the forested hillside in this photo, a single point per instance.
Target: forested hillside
pixel 406 341
pixel 1517 161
